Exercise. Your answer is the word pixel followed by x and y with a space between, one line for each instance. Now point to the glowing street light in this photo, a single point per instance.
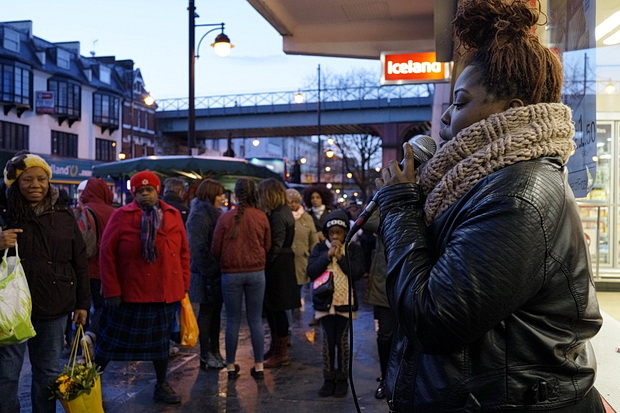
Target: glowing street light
pixel 222 47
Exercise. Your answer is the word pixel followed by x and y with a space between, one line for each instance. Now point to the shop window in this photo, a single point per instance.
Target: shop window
pixel 13 136
pixel 64 144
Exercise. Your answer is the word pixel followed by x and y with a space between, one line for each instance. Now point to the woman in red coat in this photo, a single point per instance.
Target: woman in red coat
pixel 144 261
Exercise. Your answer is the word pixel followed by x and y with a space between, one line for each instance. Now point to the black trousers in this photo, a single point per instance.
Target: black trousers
pixel 335 343
pixel 385 334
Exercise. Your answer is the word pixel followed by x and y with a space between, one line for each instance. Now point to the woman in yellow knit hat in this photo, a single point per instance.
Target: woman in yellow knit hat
pixel 53 255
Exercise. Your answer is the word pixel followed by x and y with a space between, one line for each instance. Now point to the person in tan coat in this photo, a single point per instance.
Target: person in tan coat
pixel 305 235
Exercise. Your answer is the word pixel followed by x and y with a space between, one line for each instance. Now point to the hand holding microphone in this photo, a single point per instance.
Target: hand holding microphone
pixel 424 147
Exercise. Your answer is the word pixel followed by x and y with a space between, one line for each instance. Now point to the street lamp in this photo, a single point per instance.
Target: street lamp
pixel 222 48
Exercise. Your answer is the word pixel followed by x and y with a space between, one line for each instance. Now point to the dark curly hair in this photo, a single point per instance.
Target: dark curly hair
pixel 322 190
pixel 512 60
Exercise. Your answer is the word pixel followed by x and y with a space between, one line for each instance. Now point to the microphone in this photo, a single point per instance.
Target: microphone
pixel 424 147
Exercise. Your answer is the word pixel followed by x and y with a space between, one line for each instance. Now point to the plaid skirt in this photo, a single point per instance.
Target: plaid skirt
pixel 135 331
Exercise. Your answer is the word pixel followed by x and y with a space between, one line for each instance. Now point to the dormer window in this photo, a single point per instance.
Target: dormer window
pixel 63 59
pixel 105 74
pixel 10 40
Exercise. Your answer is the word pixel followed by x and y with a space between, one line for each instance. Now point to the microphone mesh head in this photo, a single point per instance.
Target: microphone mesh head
pixel 424 147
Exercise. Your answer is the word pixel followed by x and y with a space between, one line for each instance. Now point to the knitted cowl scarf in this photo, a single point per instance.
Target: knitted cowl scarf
pixel 502 139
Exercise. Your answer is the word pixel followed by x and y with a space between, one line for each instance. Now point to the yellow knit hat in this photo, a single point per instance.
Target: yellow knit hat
pixel 20 162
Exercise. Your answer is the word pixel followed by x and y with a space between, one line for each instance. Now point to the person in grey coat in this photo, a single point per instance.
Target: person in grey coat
pixel 206 277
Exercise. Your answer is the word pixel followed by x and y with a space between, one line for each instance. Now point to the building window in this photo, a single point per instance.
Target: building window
pixel 105 150
pixel 15 83
pixel 105 74
pixel 67 96
pixel 10 40
pixel 13 136
pixel 63 59
pixel 64 144
pixel 105 109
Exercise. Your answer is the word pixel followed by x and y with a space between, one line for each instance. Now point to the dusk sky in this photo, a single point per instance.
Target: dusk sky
pixel 154 33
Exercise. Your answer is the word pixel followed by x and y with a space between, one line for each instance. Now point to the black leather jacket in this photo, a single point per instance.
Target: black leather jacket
pixel 495 300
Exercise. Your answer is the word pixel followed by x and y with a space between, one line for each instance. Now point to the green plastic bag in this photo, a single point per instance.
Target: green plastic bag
pixel 15 302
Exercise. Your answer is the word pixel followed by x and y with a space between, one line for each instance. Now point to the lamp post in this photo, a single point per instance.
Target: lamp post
pixel 222 48
pixel 318 129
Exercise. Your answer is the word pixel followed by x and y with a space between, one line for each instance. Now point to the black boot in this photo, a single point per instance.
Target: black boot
pixel 329 383
pixel 342 385
pixel 380 392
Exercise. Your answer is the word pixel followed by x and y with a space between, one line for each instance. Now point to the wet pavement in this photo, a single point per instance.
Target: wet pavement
pixel 128 386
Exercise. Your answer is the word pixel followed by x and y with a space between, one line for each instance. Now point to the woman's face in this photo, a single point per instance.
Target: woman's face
pixel 219 200
pixel 34 184
pixel 294 204
pixel 316 200
pixel 472 103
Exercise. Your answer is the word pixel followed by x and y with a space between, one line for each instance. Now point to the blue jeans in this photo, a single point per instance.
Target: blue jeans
pixel 234 287
pixel 45 351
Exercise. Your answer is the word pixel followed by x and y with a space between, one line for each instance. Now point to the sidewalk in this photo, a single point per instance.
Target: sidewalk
pixel 128 387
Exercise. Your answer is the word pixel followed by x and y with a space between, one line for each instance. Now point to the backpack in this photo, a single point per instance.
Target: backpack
pixel 87 223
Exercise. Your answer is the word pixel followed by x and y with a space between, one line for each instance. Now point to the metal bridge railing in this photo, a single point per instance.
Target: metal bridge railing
pixel 309 96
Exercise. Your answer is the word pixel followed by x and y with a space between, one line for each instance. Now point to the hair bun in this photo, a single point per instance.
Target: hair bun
pixel 481 23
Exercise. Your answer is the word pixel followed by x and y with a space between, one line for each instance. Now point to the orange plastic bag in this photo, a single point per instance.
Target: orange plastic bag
pixel 189 325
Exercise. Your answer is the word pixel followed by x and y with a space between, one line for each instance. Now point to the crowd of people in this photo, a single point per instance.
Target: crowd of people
pixel 481 280
pixel 156 248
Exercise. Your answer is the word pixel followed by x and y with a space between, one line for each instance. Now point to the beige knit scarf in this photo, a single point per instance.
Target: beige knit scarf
pixel 502 139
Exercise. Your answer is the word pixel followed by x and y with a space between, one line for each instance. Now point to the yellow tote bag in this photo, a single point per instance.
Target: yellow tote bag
pixel 86 403
pixel 83 403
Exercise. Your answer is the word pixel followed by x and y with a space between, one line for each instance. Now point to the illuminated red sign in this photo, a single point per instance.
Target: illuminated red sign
pixel 402 68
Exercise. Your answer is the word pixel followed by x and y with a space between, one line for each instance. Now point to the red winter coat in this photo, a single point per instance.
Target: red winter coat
pixel 247 252
pixel 98 197
pixel 123 270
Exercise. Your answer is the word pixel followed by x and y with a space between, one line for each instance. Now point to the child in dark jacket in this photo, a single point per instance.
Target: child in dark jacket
pixel 332 309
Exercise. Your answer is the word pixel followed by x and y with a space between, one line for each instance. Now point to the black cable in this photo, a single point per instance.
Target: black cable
pixel 350 278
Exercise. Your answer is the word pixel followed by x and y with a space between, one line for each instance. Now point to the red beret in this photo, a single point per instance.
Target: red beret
pixel 144 178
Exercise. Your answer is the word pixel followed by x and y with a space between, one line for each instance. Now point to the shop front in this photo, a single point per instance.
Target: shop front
pixel 586 34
